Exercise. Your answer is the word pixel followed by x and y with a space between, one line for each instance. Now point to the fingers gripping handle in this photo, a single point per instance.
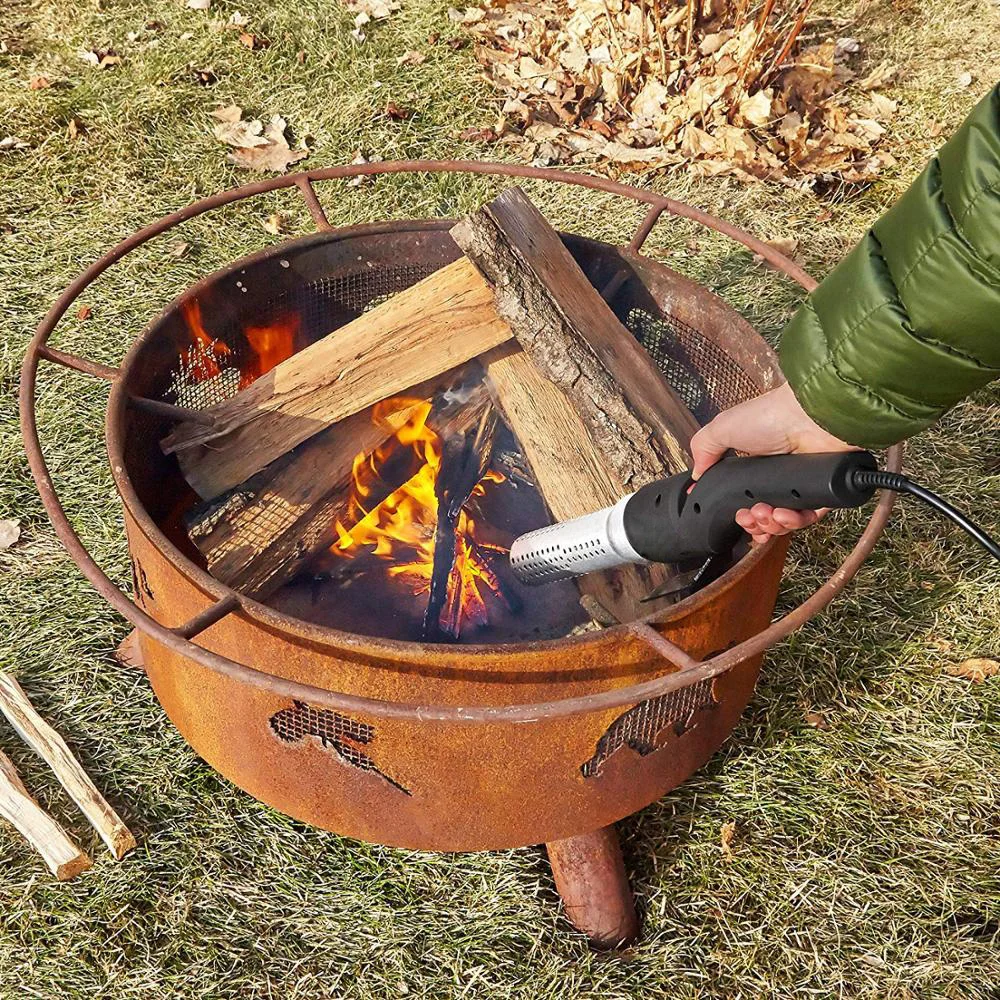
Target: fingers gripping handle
pixel 666 523
pixel 669 521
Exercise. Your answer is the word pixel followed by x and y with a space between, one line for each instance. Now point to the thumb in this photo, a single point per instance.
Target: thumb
pixel 707 447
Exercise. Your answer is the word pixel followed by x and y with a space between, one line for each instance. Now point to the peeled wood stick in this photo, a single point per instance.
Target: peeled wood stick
pixel 51 747
pixel 637 421
pixel 572 474
pixel 425 330
pixel 37 827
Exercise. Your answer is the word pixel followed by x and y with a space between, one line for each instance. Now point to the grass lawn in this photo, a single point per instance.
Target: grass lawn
pixel 867 855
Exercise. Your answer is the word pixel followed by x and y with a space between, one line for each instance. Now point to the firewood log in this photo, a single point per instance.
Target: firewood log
pixel 51 747
pixel 637 421
pixel 37 827
pixel 423 331
pixel 573 475
pixel 258 536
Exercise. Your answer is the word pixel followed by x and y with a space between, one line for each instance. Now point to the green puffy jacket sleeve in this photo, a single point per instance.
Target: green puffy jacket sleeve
pixel 908 323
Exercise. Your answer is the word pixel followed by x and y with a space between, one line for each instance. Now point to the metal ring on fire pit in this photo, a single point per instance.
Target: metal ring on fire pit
pixel 179 639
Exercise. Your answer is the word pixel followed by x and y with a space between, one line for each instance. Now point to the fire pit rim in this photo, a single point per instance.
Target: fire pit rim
pixel 396 648
pixel 179 639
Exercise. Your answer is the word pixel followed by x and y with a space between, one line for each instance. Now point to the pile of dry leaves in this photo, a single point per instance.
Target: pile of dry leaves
pixel 729 87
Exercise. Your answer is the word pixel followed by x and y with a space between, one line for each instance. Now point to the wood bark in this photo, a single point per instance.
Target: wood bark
pixel 464 461
pixel 37 827
pixel 52 748
pixel 636 419
pixel 425 330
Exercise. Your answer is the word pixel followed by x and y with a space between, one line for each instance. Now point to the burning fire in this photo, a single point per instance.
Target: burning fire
pixel 207 357
pixel 202 360
pixel 401 527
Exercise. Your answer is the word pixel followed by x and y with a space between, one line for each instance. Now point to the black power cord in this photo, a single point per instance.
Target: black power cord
pixel 901 484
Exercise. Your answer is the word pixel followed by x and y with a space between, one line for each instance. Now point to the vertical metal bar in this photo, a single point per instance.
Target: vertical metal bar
pixel 315 208
pixel 646 226
pixel 207 618
pixel 663 646
pixel 614 284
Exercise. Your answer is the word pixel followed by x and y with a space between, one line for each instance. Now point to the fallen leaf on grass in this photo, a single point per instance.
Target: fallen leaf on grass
pixel 976 670
pixel 256 146
pixel 253 42
pixel 101 58
pixel 817 720
pixel 12 142
pixel 204 77
pixel 179 249
pixel 366 11
pixel 784 244
pixel 274 223
pixel 397 112
pixel 84 312
pixel 473 134
pixel 726 837
pixel 273 154
pixel 359 158
pixel 75 128
pixel 411 58
pixel 10 532
pixel 39 83
pixel 845 47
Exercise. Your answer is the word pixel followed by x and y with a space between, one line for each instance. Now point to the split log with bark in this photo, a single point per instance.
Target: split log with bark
pixel 560 320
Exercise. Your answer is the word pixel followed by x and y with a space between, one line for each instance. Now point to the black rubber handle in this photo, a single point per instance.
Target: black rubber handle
pixel 666 523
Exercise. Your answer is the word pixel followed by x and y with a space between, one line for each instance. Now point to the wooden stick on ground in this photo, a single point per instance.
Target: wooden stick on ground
pixel 37 827
pixel 425 330
pixel 51 747
pixel 636 419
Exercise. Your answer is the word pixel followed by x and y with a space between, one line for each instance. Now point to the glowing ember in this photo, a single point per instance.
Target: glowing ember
pixel 401 528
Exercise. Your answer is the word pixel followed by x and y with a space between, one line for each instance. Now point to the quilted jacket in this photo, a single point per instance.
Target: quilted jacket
pixel 908 323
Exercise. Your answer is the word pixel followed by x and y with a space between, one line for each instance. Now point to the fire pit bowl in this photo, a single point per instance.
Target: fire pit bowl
pixel 454 748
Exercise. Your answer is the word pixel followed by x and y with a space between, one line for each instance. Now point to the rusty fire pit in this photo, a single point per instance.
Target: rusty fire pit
pixel 452 748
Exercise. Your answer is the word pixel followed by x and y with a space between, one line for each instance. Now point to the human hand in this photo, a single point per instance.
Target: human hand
pixel 772 424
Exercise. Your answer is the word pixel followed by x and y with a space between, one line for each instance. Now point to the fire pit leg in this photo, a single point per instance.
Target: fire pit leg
pixel 590 875
pixel 128 653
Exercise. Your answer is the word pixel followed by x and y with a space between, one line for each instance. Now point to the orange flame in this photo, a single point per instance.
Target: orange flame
pixel 208 357
pixel 270 345
pixel 401 528
pixel 201 360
